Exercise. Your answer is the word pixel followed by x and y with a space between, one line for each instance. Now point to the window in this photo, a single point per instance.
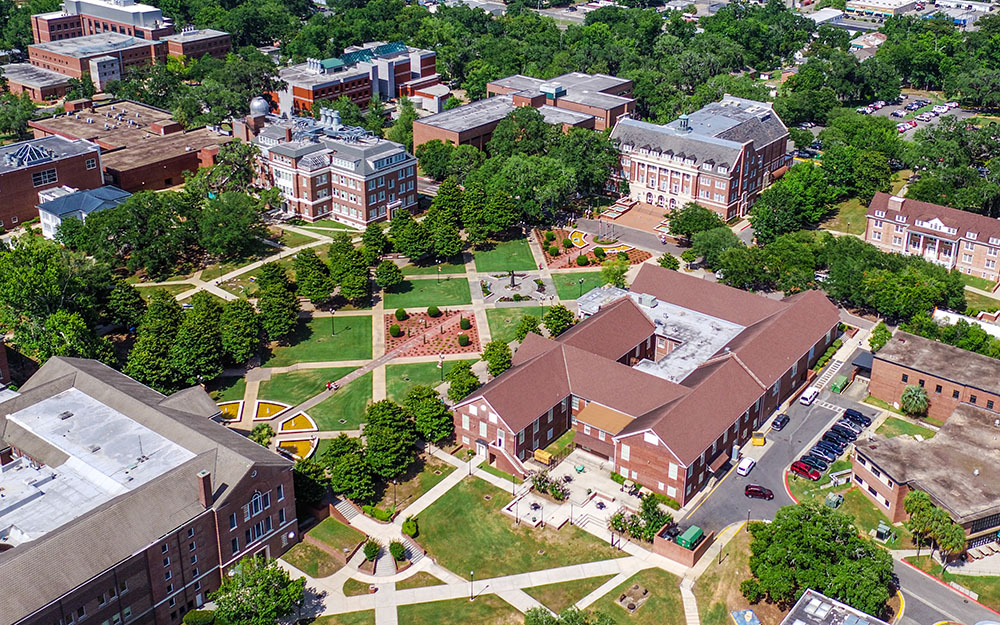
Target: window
pixel 123 587
pixel 897 240
pixel 972 399
pixel 127 613
pixel 281 516
pixel 46 176
pixel 256 504
pixel 102 599
pixel 954 394
pixel 232 521
pixel 167 576
pixel 91 163
pixel 194 559
pixel 906 378
pixel 966 258
pixel 267 500
pixel 625 451
pixel 194 572
pixel 166 561
pixel 164 548
pixel 81 613
pixel 482 429
pixel 465 422
pixel 921 383
pixel 190 532
pixel 172 602
pixel 937 388
pixel 989 404
pixel 281 492
pixel 192 546
pixel 236 546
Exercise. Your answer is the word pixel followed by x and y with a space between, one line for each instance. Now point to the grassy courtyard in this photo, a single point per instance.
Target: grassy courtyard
pixel 366 617
pixel 663 606
pixel 568 284
pixel 987 586
pixel 894 427
pixel 171 289
pixel 452 291
pixel 976 301
pixel 452 265
pixel 337 535
pixel 557 597
pixel 227 389
pixel 311 560
pixel 420 579
pixel 977 282
pixel 505 256
pixel 312 341
pixel 345 410
pixel 503 321
pixel 424 474
pixel 399 379
pixel 295 387
pixel 485 610
pixel 488 542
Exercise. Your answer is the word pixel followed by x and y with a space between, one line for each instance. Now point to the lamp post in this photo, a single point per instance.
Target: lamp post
pixel 394 494
pixel 580 294
pixel 441 365
pixel 472 580
pixel 748 519
pixel 333 323
pixel 439 271
pixel 517 517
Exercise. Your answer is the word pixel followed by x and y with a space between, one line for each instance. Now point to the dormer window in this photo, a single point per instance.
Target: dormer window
pixel 994 241
pixel 972 235
pixel 707 166
pixel 723 170
pixel 901 218
pixel 880 213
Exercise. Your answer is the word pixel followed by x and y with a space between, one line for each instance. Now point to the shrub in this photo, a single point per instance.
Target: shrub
pixel 199 617
pixel 397 551
pixel 464 323
pixel 618 478
pixel 395 331
pixel 410 527
pixel 433 311
pixel 583 261
pixel 599 252
pixel 553 250
pixel 378 513
pixel 463 339
pixel 623 256
pixel 751 590
pixel 550 236
pixel 567 243
pixel 667 501
pixel 518 297
pixel 372 549
pixel 401 314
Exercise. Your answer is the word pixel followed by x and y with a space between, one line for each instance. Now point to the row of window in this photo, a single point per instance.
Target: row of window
pixel 955 393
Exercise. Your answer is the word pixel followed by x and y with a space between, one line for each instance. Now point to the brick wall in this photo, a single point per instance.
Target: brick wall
pixel 20 195
pixel 879 487
pixel 890 379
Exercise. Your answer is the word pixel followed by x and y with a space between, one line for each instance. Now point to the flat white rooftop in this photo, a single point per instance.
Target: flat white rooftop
pixel 106 454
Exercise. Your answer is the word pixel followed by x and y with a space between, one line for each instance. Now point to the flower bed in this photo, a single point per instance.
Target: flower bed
pixel 299 423
pixel 447 343
pixel 231 410
pixel 267 409
pixel 298 449
pixel 635 257
pixel 561 234
pixel 412 326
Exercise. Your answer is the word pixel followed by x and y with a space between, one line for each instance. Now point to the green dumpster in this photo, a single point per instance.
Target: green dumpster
pixel 839 383
pixel 690 537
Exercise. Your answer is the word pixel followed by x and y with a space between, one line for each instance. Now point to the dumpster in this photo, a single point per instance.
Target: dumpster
pixel 758 439
pixel 839 383
pixel 543 456
pixel 690 537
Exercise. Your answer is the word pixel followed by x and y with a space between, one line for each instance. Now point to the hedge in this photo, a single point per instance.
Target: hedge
pixel 463 339
pixel 397 551
pixel 567 243
pixel 550 236
pixel 553 250
pixel 410 527
pixel 582 261
pixel 599 252
pixel 464 323
pixel 395 331
pixel 401 314
pixel 433 311
pixel 377 513
pixel 199 617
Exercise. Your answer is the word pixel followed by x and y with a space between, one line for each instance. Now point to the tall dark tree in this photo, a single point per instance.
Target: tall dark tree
pixel 241 330
pixel 312 277
pixel 126 305
pixel 149 361
pixel 196 354
pixel 390 437
pixel 431 417
pixel 231 225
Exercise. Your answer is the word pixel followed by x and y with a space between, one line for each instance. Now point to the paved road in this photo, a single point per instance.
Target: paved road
pixel 632 236
pixel 929 601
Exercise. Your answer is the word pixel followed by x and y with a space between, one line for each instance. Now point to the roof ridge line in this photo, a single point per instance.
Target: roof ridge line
pixel 748 370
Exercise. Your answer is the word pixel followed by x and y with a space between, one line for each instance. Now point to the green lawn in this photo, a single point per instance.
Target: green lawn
pixel 452 265
pixel 348 403
pixel 977 282
pixel 216 271
pixel 986 586
pixel 807 490
pixel 311 560
pixel 172 289
pixel 367 617
pixel 294 239
pixel 465 532
pixel 718 588
pixel 399 379
pixel 295 387
pixel 568 284
pixel 353 587
pixel 420 579
pixel 328 223
pixel 557 597
pixel 663 606
pixel 336 534
pixel 503 321
pixel 899 427
pixel 485 466
pixel 485 610
pixel 312 341
pixel 227 389
pixel 850 217
pixel 979 302
pixel 867 517
pixel 505 256
pixel 423 293
pixel 561 447
pixel 422 475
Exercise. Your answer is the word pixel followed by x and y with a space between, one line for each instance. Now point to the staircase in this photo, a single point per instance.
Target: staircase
pixel 413 552
pixel 828 375
pixel 347 509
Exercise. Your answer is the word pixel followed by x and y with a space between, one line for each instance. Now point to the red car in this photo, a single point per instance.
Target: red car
pixel 755 491
pixel 804 470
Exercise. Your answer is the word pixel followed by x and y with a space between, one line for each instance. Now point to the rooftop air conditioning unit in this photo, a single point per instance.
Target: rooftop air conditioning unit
pixel 66 414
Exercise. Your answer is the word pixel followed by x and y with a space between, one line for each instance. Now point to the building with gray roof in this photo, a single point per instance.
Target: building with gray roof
pixel 815 608
pixel 68 203
pixel 123 504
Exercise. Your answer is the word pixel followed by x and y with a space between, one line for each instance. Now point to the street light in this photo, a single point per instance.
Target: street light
pixel 748 519
pixel 394 494
pixel 580 294
pixel 439 271
pixel 472 580
pixel 333 323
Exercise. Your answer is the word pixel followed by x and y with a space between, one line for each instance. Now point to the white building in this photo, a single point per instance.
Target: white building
pixel 65 202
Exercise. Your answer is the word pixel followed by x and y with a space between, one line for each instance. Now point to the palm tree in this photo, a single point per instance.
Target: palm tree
pixel 914 400
pixel 951 540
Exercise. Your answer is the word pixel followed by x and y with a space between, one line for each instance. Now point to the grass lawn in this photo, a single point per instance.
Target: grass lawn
pixel 899 179
pixel 718 589
pixel 366 617
pixel 505 256
pixel 898 427
pixel 295 387
pixel 663 606
pixel 466 532
pixel 485 466
pixel 561 447
pixel 421 579
pixel 294 239
pixel 227 389
pixel 336 534
pixel 974 300
pixel 328 223
pixel 423 293
pixel 806 490
pixel 557 597
pixel 347 404
pixel 399 379
pixel 977 282
pixel 485 610
pixel 215 271
pixel 503 321
pixel 424 474
pixel 353 587
pixel 312 341
pixel 987 586
pixel 452 265
pixel 568 284
pixel 172 289
pixel 850 217
pixel 867 517
pixel 311 560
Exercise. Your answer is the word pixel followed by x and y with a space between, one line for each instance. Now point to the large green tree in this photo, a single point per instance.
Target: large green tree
pixel 557 319
pixel 693 218
pixel 231 225
pixel 431 417
pixel 390 438
pixel 257 591
pixel 196 354
pixel 240 331
pixel 149 360
pixel 312 277
pixel 462 381
pixel 498 357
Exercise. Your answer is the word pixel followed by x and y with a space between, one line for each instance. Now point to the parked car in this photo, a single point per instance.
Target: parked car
pixel 857 417
pixel 779 422
pixel 899 113
pixel 817 463
pixel 940 108
pixel 851 425
pixel 745 466
pixel 836 439
pixel 804 470
pixel 951 105
pixel 832 447
pixel 756 491
pixel 824 453
pixel 809 396
pixel 845 432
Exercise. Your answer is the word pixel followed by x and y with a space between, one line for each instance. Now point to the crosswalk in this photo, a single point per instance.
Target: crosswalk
pixel 828 375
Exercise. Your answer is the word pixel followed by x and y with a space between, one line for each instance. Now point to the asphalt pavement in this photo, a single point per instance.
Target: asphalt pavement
pixel 929 601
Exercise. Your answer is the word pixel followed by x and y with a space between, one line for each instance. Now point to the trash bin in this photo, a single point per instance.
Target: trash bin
pixel 839 383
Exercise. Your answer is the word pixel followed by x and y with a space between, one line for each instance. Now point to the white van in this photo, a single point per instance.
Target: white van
pixel 745 466
pixel 809 396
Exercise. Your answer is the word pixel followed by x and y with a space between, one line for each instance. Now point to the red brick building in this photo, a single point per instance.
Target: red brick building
pixel 147 502
pixel 950 375
pixel 90 17
pixel 39 164
pixel 195 44
pixel 667 381
pixel 72 57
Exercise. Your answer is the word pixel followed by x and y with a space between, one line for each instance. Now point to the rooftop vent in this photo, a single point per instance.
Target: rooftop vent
pixel 94 449
pixel 647 300
pixel 683 121
pixel 66 414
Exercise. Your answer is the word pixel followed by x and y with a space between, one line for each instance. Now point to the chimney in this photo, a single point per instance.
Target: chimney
pixel 205 488
pixel 683 120
pixel 288 133
pixel 895 203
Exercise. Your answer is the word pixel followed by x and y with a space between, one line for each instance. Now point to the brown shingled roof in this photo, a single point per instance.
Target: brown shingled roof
pixel 964 221
pixel 612 332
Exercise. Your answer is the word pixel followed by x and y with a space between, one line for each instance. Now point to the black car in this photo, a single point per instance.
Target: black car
pixel 847 433
pixel 835 439
pixel 779 422
pixel 857 417
pixel 823 453
pixel 834 447
pixel 755 491
pixel 815 462
pixel 672 530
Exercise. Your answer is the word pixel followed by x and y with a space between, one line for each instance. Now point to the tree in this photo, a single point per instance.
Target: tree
pixel 692 219
pixel 557 319
pixel 196 353
pixel 375 115
pixel 388 274
pixel 590 154
pixel 435 158
pixel 79 88
pixel 390 436
pixel 914 400
pixel 431 417
pixel 879 337
pixel 350 113
pixel 462 381
pixel 15 113
pixel 410 237
pixel 374 242
pixel 710 244
pixel 149 361
pixel 279 311
pixel 66 333
pixel 668 261
pixel 402 128
pixel 230 225
pixel 464 160
pixel 527 324
pixel 800 199
pixel 126 305
pixel 241 328
pixel 523 131
pixel 257 592
pixel 310 482
pixel 613 271
pixel 262 434
pixel 354 286
pixel 351 476
pixel 498 356
pixel 312 277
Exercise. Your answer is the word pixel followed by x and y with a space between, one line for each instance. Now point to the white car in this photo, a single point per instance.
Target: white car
pixel 809 396
pixel 745 466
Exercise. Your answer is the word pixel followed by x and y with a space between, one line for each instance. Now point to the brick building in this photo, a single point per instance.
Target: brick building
pixel 722 156
pixel 194 43
pixel 90 17
pixel 666 381
pixel 147 502
pixel 953 238
pixel 594 101
pixel 326 170
pixel 954 468
pixel 950 375
pixel 39 164
pixel 40 84
pixel 75 57
pixel 143 148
